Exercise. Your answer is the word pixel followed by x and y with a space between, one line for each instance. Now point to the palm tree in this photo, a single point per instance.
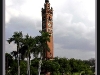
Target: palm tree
pixel 42 43
pixel 35 46
pixel 16 38
pixel 22 51
pixel 28 44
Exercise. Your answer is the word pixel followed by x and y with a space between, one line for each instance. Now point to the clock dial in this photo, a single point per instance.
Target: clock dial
pixel 49 24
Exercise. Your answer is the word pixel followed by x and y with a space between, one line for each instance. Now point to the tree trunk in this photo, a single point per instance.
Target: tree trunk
pixel 29 63
pixel 40 62
pixel 27 66
pixel 18 59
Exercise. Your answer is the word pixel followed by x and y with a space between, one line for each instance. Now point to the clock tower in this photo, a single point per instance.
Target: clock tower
pixel 47 26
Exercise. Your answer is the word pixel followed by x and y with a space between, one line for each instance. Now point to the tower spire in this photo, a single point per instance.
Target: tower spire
pixel 46 0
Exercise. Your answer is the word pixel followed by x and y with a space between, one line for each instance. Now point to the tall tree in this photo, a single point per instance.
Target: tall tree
pixel 42 43
pixel 16 38
pixel 43 46
pixel 27 48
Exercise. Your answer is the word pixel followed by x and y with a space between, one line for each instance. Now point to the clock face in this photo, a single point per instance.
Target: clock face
pixel 49 24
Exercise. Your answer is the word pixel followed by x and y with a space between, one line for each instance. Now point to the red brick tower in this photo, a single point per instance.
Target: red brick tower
pixel 47 25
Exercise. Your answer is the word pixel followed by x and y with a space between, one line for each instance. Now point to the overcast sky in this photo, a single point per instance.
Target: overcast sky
pixel 73 25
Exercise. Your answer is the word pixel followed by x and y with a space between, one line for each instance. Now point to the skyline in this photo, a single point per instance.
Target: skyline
pixel 73 25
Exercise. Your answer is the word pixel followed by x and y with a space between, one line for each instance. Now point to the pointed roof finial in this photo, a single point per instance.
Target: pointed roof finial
pixel 46 0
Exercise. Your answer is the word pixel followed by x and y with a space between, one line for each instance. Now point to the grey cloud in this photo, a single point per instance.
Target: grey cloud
pixel 23 24
pixel 73 42
pixel 72 35
pixel 73 53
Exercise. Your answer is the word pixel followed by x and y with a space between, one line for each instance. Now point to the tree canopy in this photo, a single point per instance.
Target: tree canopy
pixel 27 45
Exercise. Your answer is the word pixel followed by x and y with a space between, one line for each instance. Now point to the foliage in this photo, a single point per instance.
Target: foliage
pixel 38 45
pixel 58 66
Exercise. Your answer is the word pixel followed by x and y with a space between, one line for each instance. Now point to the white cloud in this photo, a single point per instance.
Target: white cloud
pixel 64 26
pixel 10 11
pixel 8 3
pixel 10 47
pixel 84 8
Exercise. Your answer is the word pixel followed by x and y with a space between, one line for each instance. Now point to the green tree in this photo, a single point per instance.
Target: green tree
pixel 16 38
pixel 13 68
pixel 50 66
pixel 73 65
pixel 28 44
pixel 23 67
pixel 8 61
pixel 42 43
pixel 64 65
pixel 34 66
